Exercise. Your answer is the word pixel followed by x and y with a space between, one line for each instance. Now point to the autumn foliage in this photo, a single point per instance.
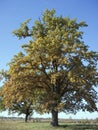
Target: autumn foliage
pixel 56 71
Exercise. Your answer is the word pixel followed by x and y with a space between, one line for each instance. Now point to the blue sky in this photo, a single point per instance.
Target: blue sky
pixel 14 12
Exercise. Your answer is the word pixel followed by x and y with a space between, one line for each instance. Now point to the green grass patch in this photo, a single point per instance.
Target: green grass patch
pixel 20 125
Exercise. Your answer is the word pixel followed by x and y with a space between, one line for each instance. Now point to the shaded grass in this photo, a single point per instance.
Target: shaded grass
pixel 80 126
pixel 20 125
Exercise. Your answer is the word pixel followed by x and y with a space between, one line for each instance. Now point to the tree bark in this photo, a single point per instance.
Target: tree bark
pixel 26 117
pixel 54 118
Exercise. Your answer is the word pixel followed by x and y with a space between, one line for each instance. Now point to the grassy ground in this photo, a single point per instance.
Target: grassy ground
pixel 20 125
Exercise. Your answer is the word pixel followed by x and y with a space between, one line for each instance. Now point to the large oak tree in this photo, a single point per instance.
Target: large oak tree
pixel 62 66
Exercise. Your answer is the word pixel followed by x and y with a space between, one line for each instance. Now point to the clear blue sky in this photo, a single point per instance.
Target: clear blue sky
pixel 14 12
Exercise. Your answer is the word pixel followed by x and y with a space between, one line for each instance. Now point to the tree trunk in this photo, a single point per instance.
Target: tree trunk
pixel 26 117
pixel 54 118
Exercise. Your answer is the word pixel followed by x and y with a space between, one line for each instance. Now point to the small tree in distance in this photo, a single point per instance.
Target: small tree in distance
pixel 16 99
pixel 61 65
pixel 17 91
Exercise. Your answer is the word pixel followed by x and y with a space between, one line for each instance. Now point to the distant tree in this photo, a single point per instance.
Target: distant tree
pixel 63 66
pixel 18 91
pixel 23 107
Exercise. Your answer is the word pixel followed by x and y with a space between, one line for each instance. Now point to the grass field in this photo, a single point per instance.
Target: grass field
pixel 20 125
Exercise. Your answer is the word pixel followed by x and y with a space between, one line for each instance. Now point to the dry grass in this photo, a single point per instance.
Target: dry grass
pixel 20 125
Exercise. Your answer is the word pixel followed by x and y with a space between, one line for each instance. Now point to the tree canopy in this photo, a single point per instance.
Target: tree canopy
pixel 17 92
pixel 58 63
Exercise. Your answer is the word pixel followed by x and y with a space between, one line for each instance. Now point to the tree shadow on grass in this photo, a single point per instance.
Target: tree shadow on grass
pixel 80 126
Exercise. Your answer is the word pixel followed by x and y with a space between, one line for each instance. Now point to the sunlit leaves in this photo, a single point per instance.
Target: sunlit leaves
pixel 56 63
pixel 23 31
